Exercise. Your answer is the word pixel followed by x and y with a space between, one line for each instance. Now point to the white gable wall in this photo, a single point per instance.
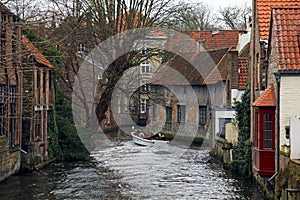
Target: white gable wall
pixel 295 137
pixel 289 104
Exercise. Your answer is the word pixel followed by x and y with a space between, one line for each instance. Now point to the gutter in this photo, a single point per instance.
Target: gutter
pixel 277 77
pixel 288 72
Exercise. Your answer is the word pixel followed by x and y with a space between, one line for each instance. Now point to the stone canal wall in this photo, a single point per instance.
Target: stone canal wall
pixel 223 151
pixel 10 160
pixel 288 180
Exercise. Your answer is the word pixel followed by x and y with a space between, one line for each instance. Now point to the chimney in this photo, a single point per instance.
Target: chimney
pixel 200 46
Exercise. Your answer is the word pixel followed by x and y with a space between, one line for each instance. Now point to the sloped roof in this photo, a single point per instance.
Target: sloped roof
pixel 264 8
pixel 6 10
pixel 243 67
pixel 205 62
pixel 286 33
pixel 156 33
pixel 41 59
pixel 267 98
pixel 216 39
pixel 219 73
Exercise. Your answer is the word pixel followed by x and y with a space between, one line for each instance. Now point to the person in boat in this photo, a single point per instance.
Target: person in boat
pixel 142 134
pixel 156 136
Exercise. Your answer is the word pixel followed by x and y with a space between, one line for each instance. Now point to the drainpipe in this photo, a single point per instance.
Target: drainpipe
pixel 21 111
pixel 277 136
pixel 21 98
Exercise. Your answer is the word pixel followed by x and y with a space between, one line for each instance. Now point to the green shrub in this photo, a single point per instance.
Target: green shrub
pixel 242 152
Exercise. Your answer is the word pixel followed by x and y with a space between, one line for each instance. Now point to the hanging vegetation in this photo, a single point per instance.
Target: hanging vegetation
pixel 242 153
pixel 64 142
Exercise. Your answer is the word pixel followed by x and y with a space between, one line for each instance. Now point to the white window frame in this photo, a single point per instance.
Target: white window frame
pixel 145 67
pixel 81 48
pixel 143 106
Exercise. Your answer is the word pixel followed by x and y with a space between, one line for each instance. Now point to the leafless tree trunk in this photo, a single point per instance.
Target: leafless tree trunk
pixel 191 17
pixel 235 17
pixel 92 22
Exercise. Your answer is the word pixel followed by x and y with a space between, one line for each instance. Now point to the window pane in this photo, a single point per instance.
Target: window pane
pixel 267 135
pixel 202 115
pixel 268 130
pixel 2 121
pixel 270 117
pixel 222 123
pixel 269 125
pixel 169 114
pixel 12 124
pixel 12 93
pixel 267 143
pixel 143 105
pixel 145 67
pixel 181 113
pixel 2 93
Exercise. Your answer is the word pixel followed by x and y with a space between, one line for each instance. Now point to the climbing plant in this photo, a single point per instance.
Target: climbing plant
pixel 64 142
pixel 242 153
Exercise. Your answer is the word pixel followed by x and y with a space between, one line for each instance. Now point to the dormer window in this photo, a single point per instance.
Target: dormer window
pixel 145 67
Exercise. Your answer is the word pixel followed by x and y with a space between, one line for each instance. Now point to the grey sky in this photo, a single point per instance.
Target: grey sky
pixel 216 4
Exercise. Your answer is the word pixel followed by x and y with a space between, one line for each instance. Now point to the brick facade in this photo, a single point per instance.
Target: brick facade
pixel 9 95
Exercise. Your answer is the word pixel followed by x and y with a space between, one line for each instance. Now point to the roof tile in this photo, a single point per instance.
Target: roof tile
pixel 210 39
pixel 267 98
pixel 206 63
pixel 39 56
pixel 264 8
pixel 286 34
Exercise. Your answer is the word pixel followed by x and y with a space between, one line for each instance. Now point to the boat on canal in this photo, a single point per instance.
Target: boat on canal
pixel 142 139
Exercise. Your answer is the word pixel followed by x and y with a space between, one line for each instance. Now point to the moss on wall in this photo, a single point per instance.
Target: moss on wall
pixel 289 177
pixel 181 139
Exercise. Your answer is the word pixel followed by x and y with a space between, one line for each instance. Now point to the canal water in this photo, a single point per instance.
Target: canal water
pixel 127 171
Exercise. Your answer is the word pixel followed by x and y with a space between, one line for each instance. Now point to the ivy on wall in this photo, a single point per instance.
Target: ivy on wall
pixel 242 152
pixel 64 142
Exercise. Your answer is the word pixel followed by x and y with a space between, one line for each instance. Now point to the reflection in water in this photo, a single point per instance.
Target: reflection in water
pixel 128 171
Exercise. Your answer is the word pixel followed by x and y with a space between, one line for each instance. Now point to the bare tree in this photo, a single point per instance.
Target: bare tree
pixel 90 22
pixel 235 17
pixel 32 11
pixel 191 16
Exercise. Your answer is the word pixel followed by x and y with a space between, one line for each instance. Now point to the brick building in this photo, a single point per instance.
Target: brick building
pixel 10 154
pixel 274 122
pixel 26 93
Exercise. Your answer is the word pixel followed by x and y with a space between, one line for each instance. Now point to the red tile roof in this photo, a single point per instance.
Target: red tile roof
pixel 243 67
pixel 286 34
pixel 216 39
pixel 267 98
pixel 264 13
pixel 243 73
pixel 156 33
pixel 39 56
pixel 219 73
pixel 205 62
pixel 189 42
